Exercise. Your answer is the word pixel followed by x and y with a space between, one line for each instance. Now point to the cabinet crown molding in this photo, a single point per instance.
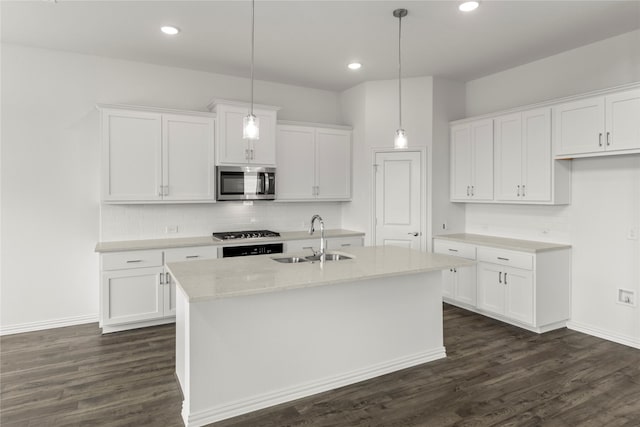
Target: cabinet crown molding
pixel 217 101
pixel 150 109
pixel 315 125
pixel 550 102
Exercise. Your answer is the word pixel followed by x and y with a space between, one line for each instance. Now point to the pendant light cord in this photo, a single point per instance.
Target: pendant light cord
pixel 400 71
pixel 253 7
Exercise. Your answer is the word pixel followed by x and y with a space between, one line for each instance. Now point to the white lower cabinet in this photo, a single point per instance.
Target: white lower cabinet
pixel 459 284
pixel 527 289
pixel 136 290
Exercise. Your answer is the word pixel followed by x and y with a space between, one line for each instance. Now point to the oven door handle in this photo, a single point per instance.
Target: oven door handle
pixel 267 184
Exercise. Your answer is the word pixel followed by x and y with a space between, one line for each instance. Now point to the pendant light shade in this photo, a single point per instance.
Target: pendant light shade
pixel 400 140
pixel 251 124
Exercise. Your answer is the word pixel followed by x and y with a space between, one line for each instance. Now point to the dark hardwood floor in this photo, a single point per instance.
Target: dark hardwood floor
pixel 494 374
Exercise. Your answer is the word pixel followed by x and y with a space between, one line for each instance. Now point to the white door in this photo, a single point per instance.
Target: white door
pixel 333 164
pixel 131 155
pixel 508 157
pixel 482 158
pixel 295 149
pixel 579 126
pixel 460 162
pixel 623 120
pixel 188 168
pixel 536 162
pixel 398 199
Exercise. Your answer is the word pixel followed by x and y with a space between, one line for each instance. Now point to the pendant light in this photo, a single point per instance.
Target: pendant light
pixel 251 124
pixel 400 140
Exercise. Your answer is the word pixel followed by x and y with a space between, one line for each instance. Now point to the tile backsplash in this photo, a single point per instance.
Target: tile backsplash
pixel 138 222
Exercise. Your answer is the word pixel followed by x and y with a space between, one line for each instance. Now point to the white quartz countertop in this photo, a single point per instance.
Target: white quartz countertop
pixel 186 242
pixel 503 243
pixel 240 276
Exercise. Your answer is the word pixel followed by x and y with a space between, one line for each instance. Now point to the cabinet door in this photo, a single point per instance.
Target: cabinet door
pixel 491 293
pixel 508 157
pixel 169 290
pixel 623 120
pixel 448 283
pixel 519 297
pixel 264 149
pixel 536 158
pixel 461 162
pixel 465 289
pixel 579 126
pixel 131 155
pixel 482 167
pixel 231 148
pixel 333 164
pixel 295 149
pixel 132 295
pixel 188 164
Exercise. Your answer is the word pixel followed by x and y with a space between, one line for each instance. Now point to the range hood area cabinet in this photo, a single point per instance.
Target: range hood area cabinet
pixel 157 155
pixel 231 148
pixel 601 125
pixel 314 163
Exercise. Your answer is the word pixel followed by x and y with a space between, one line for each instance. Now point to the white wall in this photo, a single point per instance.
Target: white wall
pixel 605 193
pixel 372 109
pixel 50 172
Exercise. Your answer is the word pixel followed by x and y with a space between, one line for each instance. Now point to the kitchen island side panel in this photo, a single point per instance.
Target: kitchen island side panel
pixel 251 352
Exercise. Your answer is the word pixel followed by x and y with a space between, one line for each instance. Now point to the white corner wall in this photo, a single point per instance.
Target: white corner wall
pixel 605 191
pixel 50 172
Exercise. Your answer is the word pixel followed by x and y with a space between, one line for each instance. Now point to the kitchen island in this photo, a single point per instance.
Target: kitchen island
pixel 252 332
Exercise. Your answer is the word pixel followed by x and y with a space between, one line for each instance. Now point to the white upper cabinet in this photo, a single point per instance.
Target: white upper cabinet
pixel 313 163
pixel 599 124
pixel 153 156
pixel 472 161
pixel 231 148
pixel 523 160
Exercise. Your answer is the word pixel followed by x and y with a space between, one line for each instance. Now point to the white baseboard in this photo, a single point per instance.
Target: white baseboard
pixel 47 324
pixel 222 412
pixel 607 335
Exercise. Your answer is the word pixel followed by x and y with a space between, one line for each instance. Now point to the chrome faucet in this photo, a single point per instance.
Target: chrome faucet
pixel 312 230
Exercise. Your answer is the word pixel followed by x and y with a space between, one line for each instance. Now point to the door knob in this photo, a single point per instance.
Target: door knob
pixel 414 234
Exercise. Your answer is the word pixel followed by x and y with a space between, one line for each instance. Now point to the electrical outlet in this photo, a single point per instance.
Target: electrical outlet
pixel 632 234
pixel 546 231
pixel 170 229
pixel 627 297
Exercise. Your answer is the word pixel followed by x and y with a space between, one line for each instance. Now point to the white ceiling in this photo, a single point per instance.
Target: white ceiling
pixel 309 43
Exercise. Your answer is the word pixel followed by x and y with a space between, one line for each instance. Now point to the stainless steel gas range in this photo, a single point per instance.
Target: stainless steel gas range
pixel 246 243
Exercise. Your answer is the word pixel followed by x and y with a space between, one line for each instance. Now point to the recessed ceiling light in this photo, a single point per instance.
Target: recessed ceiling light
pixel 468 6
pixel 354 66
pixel 171 31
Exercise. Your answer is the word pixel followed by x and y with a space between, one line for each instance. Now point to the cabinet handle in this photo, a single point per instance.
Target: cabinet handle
pixel 523 187
pixel 453 250
pixel 162 278
pixel 317 190
pixel 600 139
pixel 161 192
pixel 608 139
pixel 246 154
pixel 131 261
pixel 518 191
pixel 503 259
pixel 505 278
pixel 165 190
pixel 192 256
pixel 167 278
pixel 473 191
pixel 345 244
pixel 307 247
pixel 500 277
pixel 468 191
pixel 455 270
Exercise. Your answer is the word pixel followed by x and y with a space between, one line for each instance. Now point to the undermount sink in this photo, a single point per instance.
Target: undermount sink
pixel 311 258
pixel 290 260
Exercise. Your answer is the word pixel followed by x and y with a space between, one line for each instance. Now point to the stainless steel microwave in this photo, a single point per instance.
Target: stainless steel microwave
pixel 246 183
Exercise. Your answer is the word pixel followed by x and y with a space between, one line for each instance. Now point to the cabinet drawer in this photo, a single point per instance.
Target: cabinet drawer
pixel 131 259
pixel 337 243
pixel 448 247
pixel 505 257
pixel 190 254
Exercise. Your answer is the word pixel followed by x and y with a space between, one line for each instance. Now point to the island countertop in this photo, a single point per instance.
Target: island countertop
pixel 241 276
